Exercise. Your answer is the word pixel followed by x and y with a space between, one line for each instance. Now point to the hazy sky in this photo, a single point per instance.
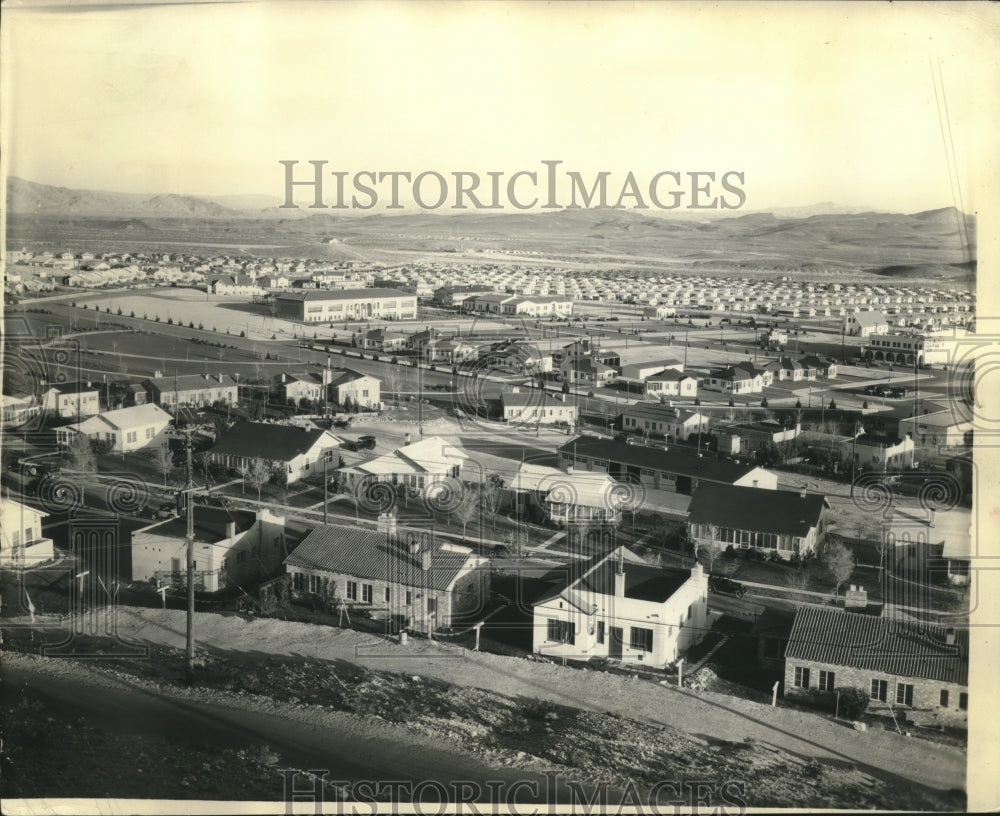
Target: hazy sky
pixel 813 102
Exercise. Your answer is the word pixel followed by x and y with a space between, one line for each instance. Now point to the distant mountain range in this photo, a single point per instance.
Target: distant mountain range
pixel 823 238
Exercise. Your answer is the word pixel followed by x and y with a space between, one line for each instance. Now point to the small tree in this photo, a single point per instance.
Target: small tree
pixel 258 474
pixel 711 549
pixel 491 494
pixel 469 506
pixel 80 454
pixel 164 461
pixel 839 562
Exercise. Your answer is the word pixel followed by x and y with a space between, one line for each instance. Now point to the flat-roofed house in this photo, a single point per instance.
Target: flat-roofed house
pixel 745 437
pixel 405 577
pixel 618 607
pixel 779 521
pixel 915 668
pixel 21 541
pixel 232 548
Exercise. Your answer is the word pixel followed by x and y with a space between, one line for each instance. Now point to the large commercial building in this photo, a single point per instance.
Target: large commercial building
pixel 325 306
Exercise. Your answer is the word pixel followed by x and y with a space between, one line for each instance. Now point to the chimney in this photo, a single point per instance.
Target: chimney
pixel 755 482
pixel 620 575
pixel 219 378
pixel 414 546
pixel 802 494
pixel 949 636
pixel 406 438
pixel 387 524
pixel 425 559
pixel 230 529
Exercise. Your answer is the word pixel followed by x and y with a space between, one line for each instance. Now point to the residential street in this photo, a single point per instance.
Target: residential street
pixel 881 753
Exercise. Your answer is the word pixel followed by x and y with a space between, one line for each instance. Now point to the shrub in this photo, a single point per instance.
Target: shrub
pixel 170 321
pixel 853 702
pixel 119 311
pixel 242 333
pixel 131 314
pixel 191 324
pixel 375 357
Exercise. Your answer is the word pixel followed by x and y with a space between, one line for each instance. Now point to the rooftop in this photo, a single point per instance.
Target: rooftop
pixel 342 294
pixel 370 554
pixel 783 512
pixel 261 440
pixel 673 460
pixel 210 524
pixel 897 648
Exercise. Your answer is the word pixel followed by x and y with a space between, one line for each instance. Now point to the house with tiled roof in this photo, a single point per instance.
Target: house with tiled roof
pixel 915 668
pixel 737 379
pixel 300 452
pixel 866 323
pixel 742 438
pixel 618 607
pixel 418 465
pixel 780 521
pixel 406 578
pixel 192 389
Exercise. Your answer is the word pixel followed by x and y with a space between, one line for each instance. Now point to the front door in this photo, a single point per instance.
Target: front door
pixel 615 643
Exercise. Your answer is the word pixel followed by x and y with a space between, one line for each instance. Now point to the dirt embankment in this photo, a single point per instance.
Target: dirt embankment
pixel 502 731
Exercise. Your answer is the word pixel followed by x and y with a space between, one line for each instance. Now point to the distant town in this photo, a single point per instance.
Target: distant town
pixel 743 491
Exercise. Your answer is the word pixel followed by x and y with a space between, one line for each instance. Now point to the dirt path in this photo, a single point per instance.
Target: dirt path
pixel 883 754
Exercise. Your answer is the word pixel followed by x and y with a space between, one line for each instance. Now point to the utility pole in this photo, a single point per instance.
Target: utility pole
pixel 326 482
pixel 189 541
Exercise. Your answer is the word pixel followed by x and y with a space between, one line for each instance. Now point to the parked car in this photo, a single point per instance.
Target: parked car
pixel 166 510
pixel 500 551
pixel 726 586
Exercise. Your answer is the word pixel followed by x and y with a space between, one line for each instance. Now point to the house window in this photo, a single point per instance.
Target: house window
pixel 432 606
pixel 149 433
pixel 963 701
pixel 352 590
pixel 879 690
pixel 17 538
pixel 943 700
pixel 314 583
pixel 409 597
pixel 801 677
pixel 641 639
pixel 298 581
pixel 241 557
pixel 826 680
pixel 904 694
pixel 690 612
pixel 561 631
pixel 600 631
pixel 366 593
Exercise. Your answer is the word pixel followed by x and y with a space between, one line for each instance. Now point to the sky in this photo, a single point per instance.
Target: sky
pixel 812 102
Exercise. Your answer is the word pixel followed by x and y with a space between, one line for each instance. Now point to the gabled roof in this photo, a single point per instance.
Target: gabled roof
pixel 882 645
pixel 674 460
pixel 537 397
pixel 870 318
pixel 137 415
pixel 190 382
pixel 373 555
pixel 670 375
pixel 783 512
pixel 431 455
pixel 278 443
pixel 71 387
pixel 593 581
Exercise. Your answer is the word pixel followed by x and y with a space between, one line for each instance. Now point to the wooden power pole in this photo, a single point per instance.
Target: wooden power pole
pixel 189 542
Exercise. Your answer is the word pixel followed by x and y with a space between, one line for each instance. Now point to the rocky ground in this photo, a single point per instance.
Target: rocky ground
pixel 504 731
